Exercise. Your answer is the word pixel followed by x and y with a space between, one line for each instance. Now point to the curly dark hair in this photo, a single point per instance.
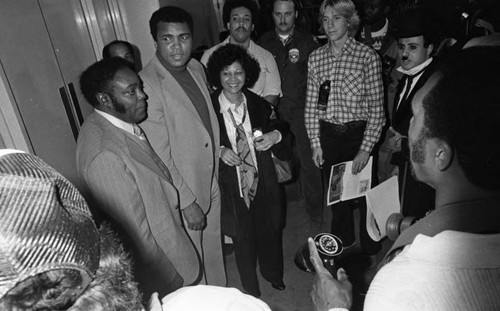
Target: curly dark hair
pixel 97 77
pixel 225 56
pixel 230 5
pixel 107 48
pixel 463 109
pixel 169 14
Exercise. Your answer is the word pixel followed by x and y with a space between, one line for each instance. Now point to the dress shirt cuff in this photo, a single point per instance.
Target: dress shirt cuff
pixel 366 146
pixel 338 309
pixel 315 143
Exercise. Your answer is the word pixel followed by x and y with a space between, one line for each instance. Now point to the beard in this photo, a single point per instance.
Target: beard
pixel 417 152
pixel 116 105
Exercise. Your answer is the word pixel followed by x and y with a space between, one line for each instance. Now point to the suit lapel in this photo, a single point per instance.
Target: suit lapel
pixel 140 150
pixel 175 89
pixel 399 93
pixel 144 154
pixel 406 104
pixel 200 82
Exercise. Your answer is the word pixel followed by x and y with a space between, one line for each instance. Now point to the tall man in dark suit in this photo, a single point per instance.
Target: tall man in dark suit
pixel 127 181
pixel 291 47
pixel 183 129
pixel 416 45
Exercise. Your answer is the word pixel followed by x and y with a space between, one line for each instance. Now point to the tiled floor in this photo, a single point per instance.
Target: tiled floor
pixel 298 283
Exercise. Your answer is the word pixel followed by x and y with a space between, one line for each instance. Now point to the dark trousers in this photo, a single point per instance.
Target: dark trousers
pixel 260 242
pixel 340 147
pixel 309 174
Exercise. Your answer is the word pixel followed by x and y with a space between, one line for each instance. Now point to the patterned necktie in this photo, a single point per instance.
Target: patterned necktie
pixel 249 176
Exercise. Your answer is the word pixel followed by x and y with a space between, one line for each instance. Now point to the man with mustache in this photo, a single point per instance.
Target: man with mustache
pixel 291 47
pixel 238 16
pixel 416 44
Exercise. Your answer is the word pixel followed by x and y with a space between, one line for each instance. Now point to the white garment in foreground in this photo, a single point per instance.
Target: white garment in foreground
pixel 211 298
pixel 451 271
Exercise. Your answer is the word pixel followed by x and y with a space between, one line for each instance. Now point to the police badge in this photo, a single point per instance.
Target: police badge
pixel 294 55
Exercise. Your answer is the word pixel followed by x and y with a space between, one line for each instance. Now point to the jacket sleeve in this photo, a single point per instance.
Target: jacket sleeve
pixel 281 150
pixel 114 190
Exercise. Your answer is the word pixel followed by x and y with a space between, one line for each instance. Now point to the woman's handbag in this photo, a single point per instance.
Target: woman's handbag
pixel 283 169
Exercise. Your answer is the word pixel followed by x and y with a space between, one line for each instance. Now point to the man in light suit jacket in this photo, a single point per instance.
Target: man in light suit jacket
pixel 183 130
pixel 126 180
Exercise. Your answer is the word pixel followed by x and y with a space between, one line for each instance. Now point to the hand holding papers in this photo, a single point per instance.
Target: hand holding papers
pixel 343 185
pixel 381 201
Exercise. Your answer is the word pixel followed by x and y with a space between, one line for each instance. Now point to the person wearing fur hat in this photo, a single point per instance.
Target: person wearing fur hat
pixel 52 255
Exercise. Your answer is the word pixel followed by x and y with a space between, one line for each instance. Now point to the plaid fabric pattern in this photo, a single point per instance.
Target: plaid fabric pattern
pixel 356 93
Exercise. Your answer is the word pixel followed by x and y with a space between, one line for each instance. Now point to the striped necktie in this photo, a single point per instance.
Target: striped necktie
pixel 249 176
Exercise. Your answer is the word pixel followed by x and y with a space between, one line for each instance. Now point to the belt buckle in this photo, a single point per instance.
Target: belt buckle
pixel 341 128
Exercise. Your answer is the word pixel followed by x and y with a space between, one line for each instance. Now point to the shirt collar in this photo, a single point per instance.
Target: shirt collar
pixel 225 104
pixel 127 127
pixel 287 38
pixel 250 46
pixel 415 70
pixel 346 49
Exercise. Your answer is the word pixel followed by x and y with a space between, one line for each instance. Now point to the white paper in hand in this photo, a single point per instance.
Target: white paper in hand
pixel 381 202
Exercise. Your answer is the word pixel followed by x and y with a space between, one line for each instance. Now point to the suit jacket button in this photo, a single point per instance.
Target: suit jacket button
pixel 206 145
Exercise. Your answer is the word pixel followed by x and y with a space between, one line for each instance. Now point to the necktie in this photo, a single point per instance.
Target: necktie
pixel 139 132
pixel 249 176
pixel 409 81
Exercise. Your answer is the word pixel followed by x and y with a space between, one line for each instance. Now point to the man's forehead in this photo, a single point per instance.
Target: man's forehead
pixel 283 4
pixel 418 40
pixel 168 27
pixel 124 78
pixel 331 11
pixel 241 10
pixel 118 46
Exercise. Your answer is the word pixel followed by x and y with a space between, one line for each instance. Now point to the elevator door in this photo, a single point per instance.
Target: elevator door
pixel 44 47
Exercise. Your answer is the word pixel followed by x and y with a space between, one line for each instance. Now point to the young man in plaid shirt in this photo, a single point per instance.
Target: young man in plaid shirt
pixel 351 123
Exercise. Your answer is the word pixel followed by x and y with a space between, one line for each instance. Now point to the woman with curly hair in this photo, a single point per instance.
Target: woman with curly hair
pixel 252 200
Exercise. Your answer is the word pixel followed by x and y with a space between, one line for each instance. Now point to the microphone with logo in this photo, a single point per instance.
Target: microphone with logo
pixel 329 246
